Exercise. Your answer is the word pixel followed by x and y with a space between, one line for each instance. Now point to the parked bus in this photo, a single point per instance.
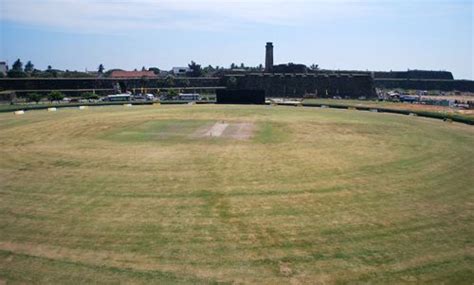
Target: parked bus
pixel 118 98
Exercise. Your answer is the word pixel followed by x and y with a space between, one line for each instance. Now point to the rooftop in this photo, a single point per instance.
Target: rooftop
pixel 132 74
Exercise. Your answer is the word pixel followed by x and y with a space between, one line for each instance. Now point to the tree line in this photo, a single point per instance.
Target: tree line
pixel 57 96
pixel 28 70
pixel 20 70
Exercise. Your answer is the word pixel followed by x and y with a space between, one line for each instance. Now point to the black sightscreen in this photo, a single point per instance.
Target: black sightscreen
pixel 240 96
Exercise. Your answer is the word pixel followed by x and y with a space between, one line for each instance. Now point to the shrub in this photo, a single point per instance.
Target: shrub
pixel 171 94
pixel 17 74
pixel 34 97
pixel 55 96
pixel 90 96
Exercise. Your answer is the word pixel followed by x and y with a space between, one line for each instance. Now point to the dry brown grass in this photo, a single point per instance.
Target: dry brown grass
pixel 316 196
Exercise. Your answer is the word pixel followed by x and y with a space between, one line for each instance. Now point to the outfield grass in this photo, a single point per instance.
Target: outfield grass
pixel 441 110
pixel 328 196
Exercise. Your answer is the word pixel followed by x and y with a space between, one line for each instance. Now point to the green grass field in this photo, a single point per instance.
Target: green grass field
pixel 130 195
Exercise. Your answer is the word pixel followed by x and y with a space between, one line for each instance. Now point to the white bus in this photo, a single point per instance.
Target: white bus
pixel 118 97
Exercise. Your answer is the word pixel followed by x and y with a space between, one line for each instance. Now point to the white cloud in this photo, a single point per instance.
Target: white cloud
pixel 124 15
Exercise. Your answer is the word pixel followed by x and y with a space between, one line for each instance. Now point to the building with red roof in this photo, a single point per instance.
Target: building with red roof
pixel 132 74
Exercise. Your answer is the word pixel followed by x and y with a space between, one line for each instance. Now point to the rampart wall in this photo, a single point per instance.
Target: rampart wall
pixel 426 84
pixel 38 84
pixel 298 85
pixel 274 84
pixel 414 74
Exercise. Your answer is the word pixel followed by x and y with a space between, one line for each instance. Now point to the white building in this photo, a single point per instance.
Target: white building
pixel 180 70
pixel 3 67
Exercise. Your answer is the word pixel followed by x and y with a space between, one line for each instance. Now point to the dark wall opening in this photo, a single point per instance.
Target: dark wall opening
pixel 240 96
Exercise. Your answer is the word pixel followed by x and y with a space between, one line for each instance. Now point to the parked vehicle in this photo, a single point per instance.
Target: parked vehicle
pixel 143 97
pixel 189 97
pixel 409 99
pixel 117 98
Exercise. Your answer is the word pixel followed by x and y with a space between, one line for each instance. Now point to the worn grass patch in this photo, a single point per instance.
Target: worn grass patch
pixel 156 131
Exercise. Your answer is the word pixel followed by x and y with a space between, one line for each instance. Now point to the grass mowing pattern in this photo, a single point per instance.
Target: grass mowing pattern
pixel 158 131
pixel 317 195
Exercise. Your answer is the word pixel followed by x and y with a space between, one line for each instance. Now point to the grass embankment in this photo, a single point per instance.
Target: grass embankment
pixel 317 195
pixel 45 105
pixel 440 112
pixel 31 106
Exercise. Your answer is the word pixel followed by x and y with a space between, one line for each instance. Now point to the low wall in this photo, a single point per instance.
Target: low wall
pixel 426 84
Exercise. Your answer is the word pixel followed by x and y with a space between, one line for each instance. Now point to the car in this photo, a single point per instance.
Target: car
pixel 143 97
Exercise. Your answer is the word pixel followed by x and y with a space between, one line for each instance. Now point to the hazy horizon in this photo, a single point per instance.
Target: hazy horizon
pixel 353 35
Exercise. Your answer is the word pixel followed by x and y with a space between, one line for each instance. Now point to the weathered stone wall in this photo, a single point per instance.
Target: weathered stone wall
pixel 275 85
pixel 19 84
pixel 420 84
pixel 414 74
pixel 298 85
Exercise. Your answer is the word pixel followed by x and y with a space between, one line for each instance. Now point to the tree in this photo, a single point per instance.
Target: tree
pixel 16 73
pixel 17 70
pixel 196 69
pixel 55 96
pixel 143 68
pixel 171 94
pixel 155 70
pixel 51 71
pixel 208 69
pixel 17 65
pixel 90 96
pixel 242 65
pixel 233 66
pixel 34 97
pixel 101 68
pixel 186 83
pixel 169 81
pixel 314 67
pixel 29 67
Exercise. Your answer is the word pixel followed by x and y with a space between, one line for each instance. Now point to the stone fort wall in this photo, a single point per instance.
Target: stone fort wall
pixel 19 84
pixel 298 85
pixel 276 85
pixel 426 84
pixel 414 74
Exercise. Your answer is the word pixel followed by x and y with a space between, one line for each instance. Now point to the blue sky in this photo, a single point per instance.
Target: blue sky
pixel 336 34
